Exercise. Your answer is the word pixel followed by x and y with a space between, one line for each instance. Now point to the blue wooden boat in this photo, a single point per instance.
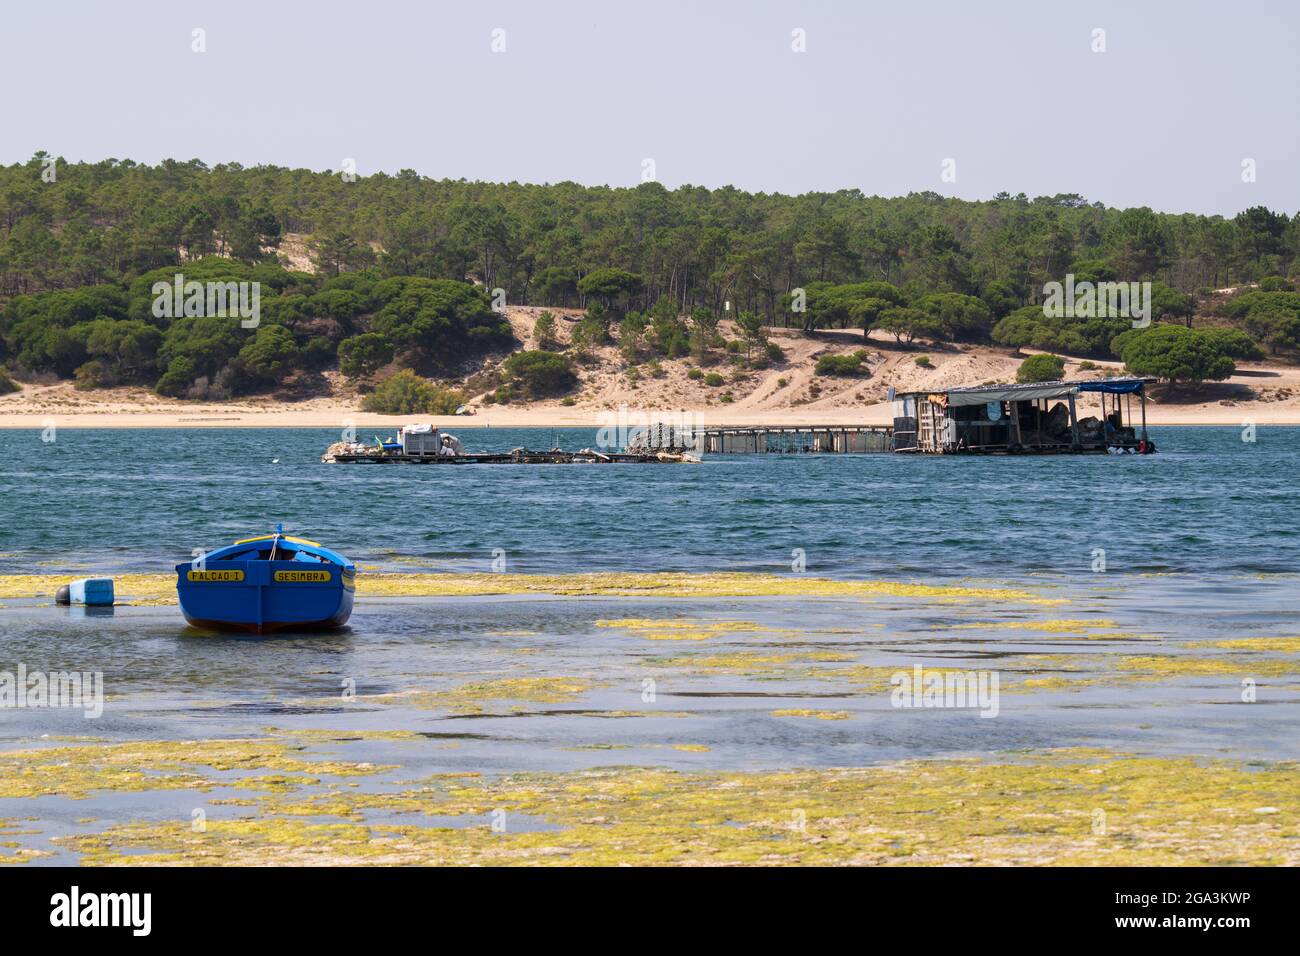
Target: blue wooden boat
pixel 272 583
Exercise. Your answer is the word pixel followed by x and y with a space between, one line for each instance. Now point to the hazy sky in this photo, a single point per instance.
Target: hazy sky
pixel 711 91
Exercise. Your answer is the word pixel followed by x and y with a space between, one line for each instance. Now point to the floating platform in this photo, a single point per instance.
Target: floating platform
pixel 797 440
pixel 767 439
pixel 518 456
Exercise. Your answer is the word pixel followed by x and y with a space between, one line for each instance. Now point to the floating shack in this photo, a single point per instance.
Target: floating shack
pixel 1034 418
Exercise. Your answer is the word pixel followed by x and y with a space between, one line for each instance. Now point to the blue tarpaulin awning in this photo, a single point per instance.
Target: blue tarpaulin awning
pixel 1112 388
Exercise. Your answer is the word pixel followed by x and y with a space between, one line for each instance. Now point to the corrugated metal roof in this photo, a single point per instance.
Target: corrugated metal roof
pixel 1029 391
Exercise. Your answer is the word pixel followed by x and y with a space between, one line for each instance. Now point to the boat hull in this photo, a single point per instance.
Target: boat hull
pixel 262 597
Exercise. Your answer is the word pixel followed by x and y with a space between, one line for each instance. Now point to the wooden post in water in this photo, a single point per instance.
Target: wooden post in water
pixel 1074 422
pixel 1143 393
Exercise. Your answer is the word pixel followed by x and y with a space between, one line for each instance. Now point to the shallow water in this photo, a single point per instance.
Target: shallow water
pixel 1199 541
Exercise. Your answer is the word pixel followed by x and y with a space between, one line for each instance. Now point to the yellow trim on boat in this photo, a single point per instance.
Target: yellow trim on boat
pixel 283 537
pixel 225 576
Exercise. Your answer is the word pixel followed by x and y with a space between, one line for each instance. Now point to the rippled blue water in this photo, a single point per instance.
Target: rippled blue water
pixel 117 500
pixel 1212 516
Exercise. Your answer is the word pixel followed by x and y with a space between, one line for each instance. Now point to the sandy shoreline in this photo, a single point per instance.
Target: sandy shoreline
pixel 791 393
pixel 341 416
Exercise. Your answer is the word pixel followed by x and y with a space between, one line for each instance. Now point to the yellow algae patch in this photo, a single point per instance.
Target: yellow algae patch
pixel 339 736
pixel 174 843
pixel 1290 645
pixel 469 698
pixel 161 588
pixel 673 584
pixel 876 677
pixel 1051 627
pixel 1170 666
pixel 752 662
pixel 692 748
pixel 1026 810
pixel 1055 683
pixel 819 714
pixel 76 772
pixel 12 851
pixel 682 629
pixel 127 587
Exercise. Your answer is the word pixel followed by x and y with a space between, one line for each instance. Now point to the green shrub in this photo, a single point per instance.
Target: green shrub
pixel 1235 344
pixel 907 324
pixel 726 398
pixel 590 333
pixel 695 374
pixel 924 361
pixel 94 374
pixel 713 380
pixel 1030 328
pixel 540 373
pixel 1274 284
pixel 959 317
pixel 1087 366
pixel 437 321
pixel 669 334
pixel 269 356
pixel 319 352
pixel 842 365
pixel 1041 368
pixel 569 401
pixel 1175 353
pixel 180 375
pixel 7 384
pixel 544 330
pixel 613 287
pixel 405 393
pixel 363 354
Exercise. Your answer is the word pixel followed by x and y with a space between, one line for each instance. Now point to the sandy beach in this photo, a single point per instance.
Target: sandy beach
pixel 339 416
pixel 787 393
pixel 37 407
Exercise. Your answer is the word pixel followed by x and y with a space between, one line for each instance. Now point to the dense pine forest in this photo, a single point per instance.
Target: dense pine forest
pixel 404 268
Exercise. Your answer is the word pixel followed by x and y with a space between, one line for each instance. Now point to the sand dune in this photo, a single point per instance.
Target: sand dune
pixel 788 392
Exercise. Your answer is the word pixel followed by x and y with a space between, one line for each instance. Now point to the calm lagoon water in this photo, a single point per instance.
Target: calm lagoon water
pixel 1200 547
pixel 139 500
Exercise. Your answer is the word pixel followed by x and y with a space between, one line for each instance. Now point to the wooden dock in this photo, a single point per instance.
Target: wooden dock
pixel 797 439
